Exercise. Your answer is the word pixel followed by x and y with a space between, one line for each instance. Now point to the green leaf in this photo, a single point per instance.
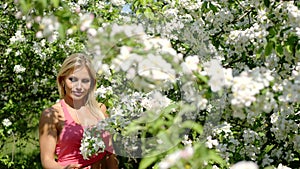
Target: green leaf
pixel 204 6
pixel 55 3
pixel 143 2
pixel 25 6
pixel 43 3
pixel 269 167
pixel 213 7
pixel 279 50
pixel 267 3
pixel 201 77
pixel 289 48
pixel 258 55
pixel 61 31
pixel 269 47
pixel 157 125
pixel 148 13
pixel 146 162
pixel 272 31
pixel 193 125
pixel 268 148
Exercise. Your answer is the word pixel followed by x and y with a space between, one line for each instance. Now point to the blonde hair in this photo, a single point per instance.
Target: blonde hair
pixel 78 60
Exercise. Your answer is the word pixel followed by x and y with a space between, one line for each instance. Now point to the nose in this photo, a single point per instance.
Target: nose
pixel 78 86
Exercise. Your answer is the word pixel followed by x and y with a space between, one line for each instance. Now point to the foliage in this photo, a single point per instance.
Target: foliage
pixel 207 83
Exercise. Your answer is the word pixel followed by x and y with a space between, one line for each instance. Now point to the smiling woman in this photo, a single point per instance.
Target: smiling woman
pixel 62 125
pixel 77 85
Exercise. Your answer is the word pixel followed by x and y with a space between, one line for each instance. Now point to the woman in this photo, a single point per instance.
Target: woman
pixel 61 126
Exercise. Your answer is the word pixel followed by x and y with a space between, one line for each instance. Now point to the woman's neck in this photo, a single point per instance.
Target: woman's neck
pixel 76 104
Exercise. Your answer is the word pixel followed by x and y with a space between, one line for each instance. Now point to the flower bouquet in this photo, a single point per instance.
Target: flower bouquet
pixel 92 141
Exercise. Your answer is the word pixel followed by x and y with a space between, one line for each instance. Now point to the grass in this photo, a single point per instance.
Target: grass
pixel 21 152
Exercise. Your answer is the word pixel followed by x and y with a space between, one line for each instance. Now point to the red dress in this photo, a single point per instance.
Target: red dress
pixel 67 147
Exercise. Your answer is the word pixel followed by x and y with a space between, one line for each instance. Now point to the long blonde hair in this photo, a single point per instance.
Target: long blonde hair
pixel 78 60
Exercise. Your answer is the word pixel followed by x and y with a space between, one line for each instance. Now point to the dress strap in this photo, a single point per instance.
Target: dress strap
pixel 66 112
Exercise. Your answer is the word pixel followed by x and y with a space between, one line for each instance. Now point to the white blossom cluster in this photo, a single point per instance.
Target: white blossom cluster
pixel 92 142
pixel 173 158
pixel 18 37
pixel 190 64
pixel 290 87
pixel 6 122
pixel 103 91
pixel 49 26
pixel 152 66
pixel 247 85
pixel 256 35
pixel 19 69
pixel 128 106
pixel 245 165
pixel 263 97
pixel 215 71
pixel 252 92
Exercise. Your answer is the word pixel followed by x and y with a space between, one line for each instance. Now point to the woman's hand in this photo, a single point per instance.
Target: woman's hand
pixel 112 161
pixel 73 166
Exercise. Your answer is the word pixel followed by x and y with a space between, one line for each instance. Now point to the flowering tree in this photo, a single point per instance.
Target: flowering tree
pixel 196 84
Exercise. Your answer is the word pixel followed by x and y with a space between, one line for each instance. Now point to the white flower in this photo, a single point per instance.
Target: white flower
pixel 159 141
pixel 244 89
pixel 202 103
pixel 131 73
pixel 18 37
pixel 190 64
pixel 214 69
pixel 170 160
pixel 103 91
pixel 266 160
pixel 274 117
pixel 216 83
pixel 85 21
pixel 82 2
pixel 8 50
pixel 49 25
pixel 225 127
pixel 156 68
pixel 187 152
pixel 262 15
pixel 19 69
pixel 6 122
pixel 92 138
pixel 157 101
pixel 228 76
pixel 39 34
pixel 245 165
pixel 280 166
pixel 187 141
pixel 215 167
pixel 118 2
pixel 92 32
pixel 175 157
pixel 210 143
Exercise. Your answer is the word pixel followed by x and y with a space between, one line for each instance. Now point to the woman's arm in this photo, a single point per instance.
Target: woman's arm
pixel 48 137
pixel 112 161
pixel 103 109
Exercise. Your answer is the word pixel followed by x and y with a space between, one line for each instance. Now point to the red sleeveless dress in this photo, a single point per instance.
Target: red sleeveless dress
pixel 67 147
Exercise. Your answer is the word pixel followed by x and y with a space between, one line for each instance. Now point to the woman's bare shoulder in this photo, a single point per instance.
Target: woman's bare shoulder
pixel 103 109
pixel 51 114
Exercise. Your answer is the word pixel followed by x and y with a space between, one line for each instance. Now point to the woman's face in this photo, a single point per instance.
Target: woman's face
pixel 77 84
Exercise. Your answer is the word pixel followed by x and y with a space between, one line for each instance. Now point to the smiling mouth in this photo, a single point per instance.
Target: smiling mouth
pixel 77 93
